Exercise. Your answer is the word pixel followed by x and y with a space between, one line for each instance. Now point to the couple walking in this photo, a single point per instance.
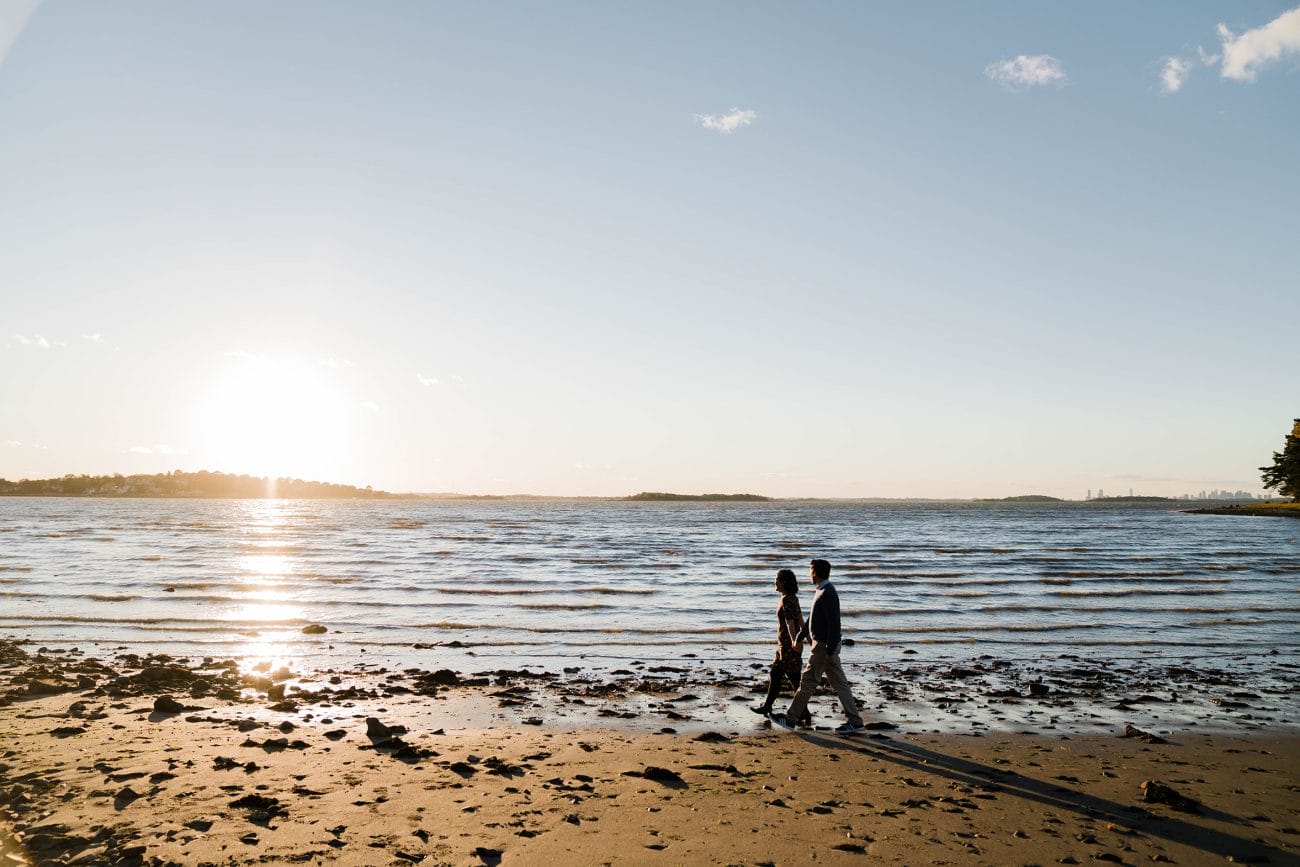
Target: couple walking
pixel 823 628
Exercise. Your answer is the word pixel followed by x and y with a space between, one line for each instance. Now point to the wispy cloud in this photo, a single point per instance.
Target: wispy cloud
pixel 1243 55
pixel 35 340
pixel 16 444
pixel 156 450
pixel 370 405
pixel 1027 70
pixel 14 15
pixel 93 338
pixel 336 363
pixel 1174 73
pixel 729 122
pixel 426 380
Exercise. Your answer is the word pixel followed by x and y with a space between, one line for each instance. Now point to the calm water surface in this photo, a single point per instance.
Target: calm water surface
pixel 550 583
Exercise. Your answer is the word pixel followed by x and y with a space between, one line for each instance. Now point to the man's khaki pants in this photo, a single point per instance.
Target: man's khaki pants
pixel 820 662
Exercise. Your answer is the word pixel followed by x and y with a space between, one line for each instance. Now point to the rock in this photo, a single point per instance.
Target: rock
pixel 1155 792
pixel 158 674
pixel 167 704
pixel 378 730
pixel 200 825
pixel 713 738
pixel 45 687
pixel 275 692
pixel 314 629
pixel 662 775
pixel 261 809
pixel 1038 688
pixel 1132 731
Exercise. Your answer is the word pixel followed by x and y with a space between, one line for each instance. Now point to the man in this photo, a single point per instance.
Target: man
pixel 824 624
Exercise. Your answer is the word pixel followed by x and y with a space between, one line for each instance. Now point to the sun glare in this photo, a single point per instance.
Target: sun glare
pixel 271 417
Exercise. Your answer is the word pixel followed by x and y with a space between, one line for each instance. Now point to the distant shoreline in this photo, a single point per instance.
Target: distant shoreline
pixel 1261 510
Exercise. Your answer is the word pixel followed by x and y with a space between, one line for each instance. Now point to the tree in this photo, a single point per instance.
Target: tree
pixel 1285 472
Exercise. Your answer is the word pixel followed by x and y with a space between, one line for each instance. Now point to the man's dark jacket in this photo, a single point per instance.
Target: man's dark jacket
pixel 824 619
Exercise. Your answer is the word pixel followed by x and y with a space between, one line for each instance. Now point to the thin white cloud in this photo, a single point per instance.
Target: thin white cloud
pixel 729 122
pixel 35 340
pixel 370 405
pixel 93 338
pixel 426 380
pixel 336 363
pixel 14 15
pixel 16 444
pixel 1027 70
pixel 1174 73
pixel 1244 55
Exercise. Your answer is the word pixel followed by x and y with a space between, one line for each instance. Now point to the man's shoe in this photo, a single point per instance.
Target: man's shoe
pixel 779 719
pixel 806 722
pixel 851 729
pixel 760 710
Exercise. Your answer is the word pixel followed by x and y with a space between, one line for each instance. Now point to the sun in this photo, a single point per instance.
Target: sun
pixel 274 417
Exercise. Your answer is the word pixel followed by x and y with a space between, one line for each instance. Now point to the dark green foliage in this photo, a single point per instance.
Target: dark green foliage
pixel 179 484
pixel 1284 474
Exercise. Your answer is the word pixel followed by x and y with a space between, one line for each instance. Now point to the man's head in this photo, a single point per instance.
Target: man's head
pixel 820 571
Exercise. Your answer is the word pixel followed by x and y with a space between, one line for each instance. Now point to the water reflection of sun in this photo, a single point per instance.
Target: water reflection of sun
pixel 266 600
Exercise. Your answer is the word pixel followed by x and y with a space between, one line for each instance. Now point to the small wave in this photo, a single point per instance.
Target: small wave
pixel 1141 591
pixel 111 597
pixel 1108 573
pixel 451 625
pixel 559 606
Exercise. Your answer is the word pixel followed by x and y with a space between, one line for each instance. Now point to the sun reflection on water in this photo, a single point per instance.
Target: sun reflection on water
pixel 267 604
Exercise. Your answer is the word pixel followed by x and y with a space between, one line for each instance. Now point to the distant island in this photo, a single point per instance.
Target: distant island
pixel 179 484
pixel 660 497
pixel 1023 498
pixel 1257 510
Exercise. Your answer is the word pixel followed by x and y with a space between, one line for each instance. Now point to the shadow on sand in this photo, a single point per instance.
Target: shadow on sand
pixel 1053 794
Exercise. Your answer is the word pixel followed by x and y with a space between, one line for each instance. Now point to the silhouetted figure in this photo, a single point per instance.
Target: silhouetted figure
pixel 824 626
pixel 789 635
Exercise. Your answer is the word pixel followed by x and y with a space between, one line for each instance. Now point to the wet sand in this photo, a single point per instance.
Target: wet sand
pixel 154 761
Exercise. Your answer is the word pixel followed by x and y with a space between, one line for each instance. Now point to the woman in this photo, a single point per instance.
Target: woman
pixel 789 654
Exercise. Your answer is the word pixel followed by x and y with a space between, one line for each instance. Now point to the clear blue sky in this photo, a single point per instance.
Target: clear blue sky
pixel 532 248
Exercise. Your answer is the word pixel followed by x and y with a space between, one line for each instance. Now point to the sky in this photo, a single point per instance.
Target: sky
pixel 823 250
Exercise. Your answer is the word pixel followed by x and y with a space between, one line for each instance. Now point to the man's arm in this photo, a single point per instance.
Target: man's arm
pixel 831 604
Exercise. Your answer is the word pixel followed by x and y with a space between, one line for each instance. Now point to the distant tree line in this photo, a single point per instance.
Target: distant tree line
pixel 660 497
pixel 180 484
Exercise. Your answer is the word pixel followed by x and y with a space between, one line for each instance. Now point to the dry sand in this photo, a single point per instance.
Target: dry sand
pixel 120 781
pixel 153 760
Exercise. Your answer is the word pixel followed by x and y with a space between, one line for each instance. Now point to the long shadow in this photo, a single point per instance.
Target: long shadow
pixel 1052 794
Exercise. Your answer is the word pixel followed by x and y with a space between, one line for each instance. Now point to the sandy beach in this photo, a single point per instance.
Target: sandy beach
pixel 160 763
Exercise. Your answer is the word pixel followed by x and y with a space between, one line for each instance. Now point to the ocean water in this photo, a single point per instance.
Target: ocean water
pixel 557 583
